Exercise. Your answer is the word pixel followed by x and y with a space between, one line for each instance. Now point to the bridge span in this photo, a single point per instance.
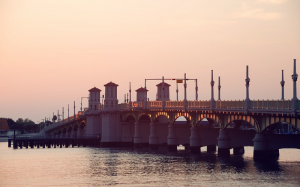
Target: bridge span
pixel 268 125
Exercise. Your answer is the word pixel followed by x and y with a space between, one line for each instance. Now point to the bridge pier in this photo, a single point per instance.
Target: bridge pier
pixel 223 143
pixel 126 136
pixel 172 138
pixel 261 150
pixel 111 130
pixel 195 140
pixel 68 134
pixel 80 132
pixel 62 135
pixel 15 145
pixel 137 138
pixel 211 148
pixel 238 150
pixel 20 144
pixel 73 133
pixel 153 142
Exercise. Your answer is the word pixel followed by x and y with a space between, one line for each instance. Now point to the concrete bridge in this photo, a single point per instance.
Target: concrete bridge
pixel 268 125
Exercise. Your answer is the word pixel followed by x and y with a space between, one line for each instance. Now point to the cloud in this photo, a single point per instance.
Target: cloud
pixel 272 1
pixel 257 13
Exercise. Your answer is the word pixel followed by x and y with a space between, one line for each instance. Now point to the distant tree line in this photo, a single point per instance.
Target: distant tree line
pixel 23 125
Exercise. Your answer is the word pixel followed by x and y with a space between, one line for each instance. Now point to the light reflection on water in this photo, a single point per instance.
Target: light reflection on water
pixel 143 167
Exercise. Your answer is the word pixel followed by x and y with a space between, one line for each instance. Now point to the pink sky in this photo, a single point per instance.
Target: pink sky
pixel 53 52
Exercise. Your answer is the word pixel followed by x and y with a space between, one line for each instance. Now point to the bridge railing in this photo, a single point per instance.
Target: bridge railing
pixel 98 108
pixel 123 105
pixel 154 104
pixel 199 104
pixel 271 104
pixel 64 121
pixel 133 105
pixel 174 104
pixel 240 104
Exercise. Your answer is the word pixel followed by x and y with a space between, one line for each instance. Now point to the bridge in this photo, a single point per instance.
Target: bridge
pixel 268 125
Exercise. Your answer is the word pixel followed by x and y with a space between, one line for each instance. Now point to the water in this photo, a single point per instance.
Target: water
pixel 142 167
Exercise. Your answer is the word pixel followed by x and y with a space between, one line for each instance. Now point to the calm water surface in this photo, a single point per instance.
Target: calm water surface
pixel 142 167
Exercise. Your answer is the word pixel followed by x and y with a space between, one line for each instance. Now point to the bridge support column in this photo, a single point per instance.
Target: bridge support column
pixel 211 148
pixel 153 143
pixel 194 140
pixel 238 150
pixel 223 143
pixel 9 142
pixel 67 135
pixel 137 138
pixel 126 136
pixel 73 134
pixel 80 132
pixel 62 135
pixel 261 150
pixel 172 139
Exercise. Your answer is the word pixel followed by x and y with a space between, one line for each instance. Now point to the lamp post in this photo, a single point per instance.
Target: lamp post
pixel 81 102
pixel 180 80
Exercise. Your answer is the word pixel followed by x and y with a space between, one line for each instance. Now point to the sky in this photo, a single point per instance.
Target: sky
pixel 53 51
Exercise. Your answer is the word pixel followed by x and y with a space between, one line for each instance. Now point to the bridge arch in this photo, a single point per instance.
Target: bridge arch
pixel 208 123
pixel 164 116
pixel 82 124
pixel 249 119
pixel 145 117
pixel 281 127
pixel 75 126
pixel 209 116
pixel 240 124
pixel 129 118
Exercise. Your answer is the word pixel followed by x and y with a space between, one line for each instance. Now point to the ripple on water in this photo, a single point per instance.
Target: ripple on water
pixel 142 167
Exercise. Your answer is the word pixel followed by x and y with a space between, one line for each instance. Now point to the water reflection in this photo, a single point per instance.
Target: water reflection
pixel 267 165
pixel 143 167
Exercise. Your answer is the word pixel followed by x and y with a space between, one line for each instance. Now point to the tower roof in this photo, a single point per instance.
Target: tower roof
pixel 95 90
pixel 165 84
pixel 141 89
pixel 111 84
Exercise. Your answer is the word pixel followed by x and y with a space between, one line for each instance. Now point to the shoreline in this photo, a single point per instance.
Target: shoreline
pixel 3 139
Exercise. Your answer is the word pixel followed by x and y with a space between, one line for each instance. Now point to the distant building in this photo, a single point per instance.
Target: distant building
pixel 4 128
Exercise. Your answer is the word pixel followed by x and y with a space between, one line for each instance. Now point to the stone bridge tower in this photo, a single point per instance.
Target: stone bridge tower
pixel 111 100
pixel 94 99
pixel 111 127
pixel 93 118
pixel 141 94
pixel 163 92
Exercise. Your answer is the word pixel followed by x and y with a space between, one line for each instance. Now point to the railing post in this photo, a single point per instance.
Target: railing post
pixel 247 100
pixel 163 102
pixel 185 100
pixel 282 87
pixel 295 99
pixel 74 111
pixel 212 83
pixel 219 88
pixel 130 103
